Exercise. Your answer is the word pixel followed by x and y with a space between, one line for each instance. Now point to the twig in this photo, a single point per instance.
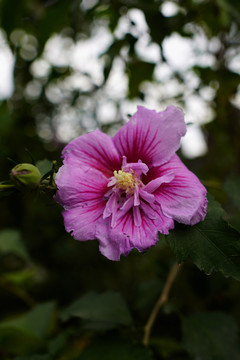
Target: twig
pixel 162 299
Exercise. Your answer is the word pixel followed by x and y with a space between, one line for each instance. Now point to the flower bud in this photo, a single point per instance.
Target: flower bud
pixel 25 176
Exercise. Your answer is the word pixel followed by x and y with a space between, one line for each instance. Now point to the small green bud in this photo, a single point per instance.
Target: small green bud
pixel 25 176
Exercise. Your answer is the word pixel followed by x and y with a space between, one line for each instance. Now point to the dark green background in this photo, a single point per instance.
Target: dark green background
pixel 43 270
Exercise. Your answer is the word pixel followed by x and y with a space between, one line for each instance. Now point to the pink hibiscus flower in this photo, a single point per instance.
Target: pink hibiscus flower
pixel 124 190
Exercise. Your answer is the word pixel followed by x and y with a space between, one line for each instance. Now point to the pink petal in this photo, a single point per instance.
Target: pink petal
pixel 146 196
pixel 81 220
pixel 136 196
pixel 95 150
pixel 78 185
pixel 126 235
pixel 149 210
pixel 139 168
pixel 109 208
pixel 128 204
pixel 81 192
pixel 153 185
pixel 137 217
pixel 184 198
pixel 150 136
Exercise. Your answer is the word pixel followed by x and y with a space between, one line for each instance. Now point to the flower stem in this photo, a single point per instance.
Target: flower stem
pixel 162 299
pixel 6 186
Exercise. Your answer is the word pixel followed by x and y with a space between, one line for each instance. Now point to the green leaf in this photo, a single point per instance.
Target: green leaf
pixel 44 166
pixel 211 336
pixel 232 188
pixel 211 244
pixel 35 357
pixel 229 8
pixel 17 342
pixel 109 349
pixel 19 278
pixel 27 332
pixel 166 347
pixel 10 242
pixel 57 344
pixel 54 18
pixel 108 307
pixel 9 18
pixel 148 294
pixel 36 321
pixel 139 71
pixel 7 119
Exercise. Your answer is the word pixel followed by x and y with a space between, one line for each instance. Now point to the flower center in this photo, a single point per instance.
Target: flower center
pixel 126 181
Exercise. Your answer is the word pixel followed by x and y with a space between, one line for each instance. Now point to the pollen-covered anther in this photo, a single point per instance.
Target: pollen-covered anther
pixel 125 180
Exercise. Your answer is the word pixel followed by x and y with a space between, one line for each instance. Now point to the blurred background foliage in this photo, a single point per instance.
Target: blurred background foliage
pixel 82 64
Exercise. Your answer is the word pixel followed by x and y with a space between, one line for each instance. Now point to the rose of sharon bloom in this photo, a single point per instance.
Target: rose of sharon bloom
pixel 124 190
